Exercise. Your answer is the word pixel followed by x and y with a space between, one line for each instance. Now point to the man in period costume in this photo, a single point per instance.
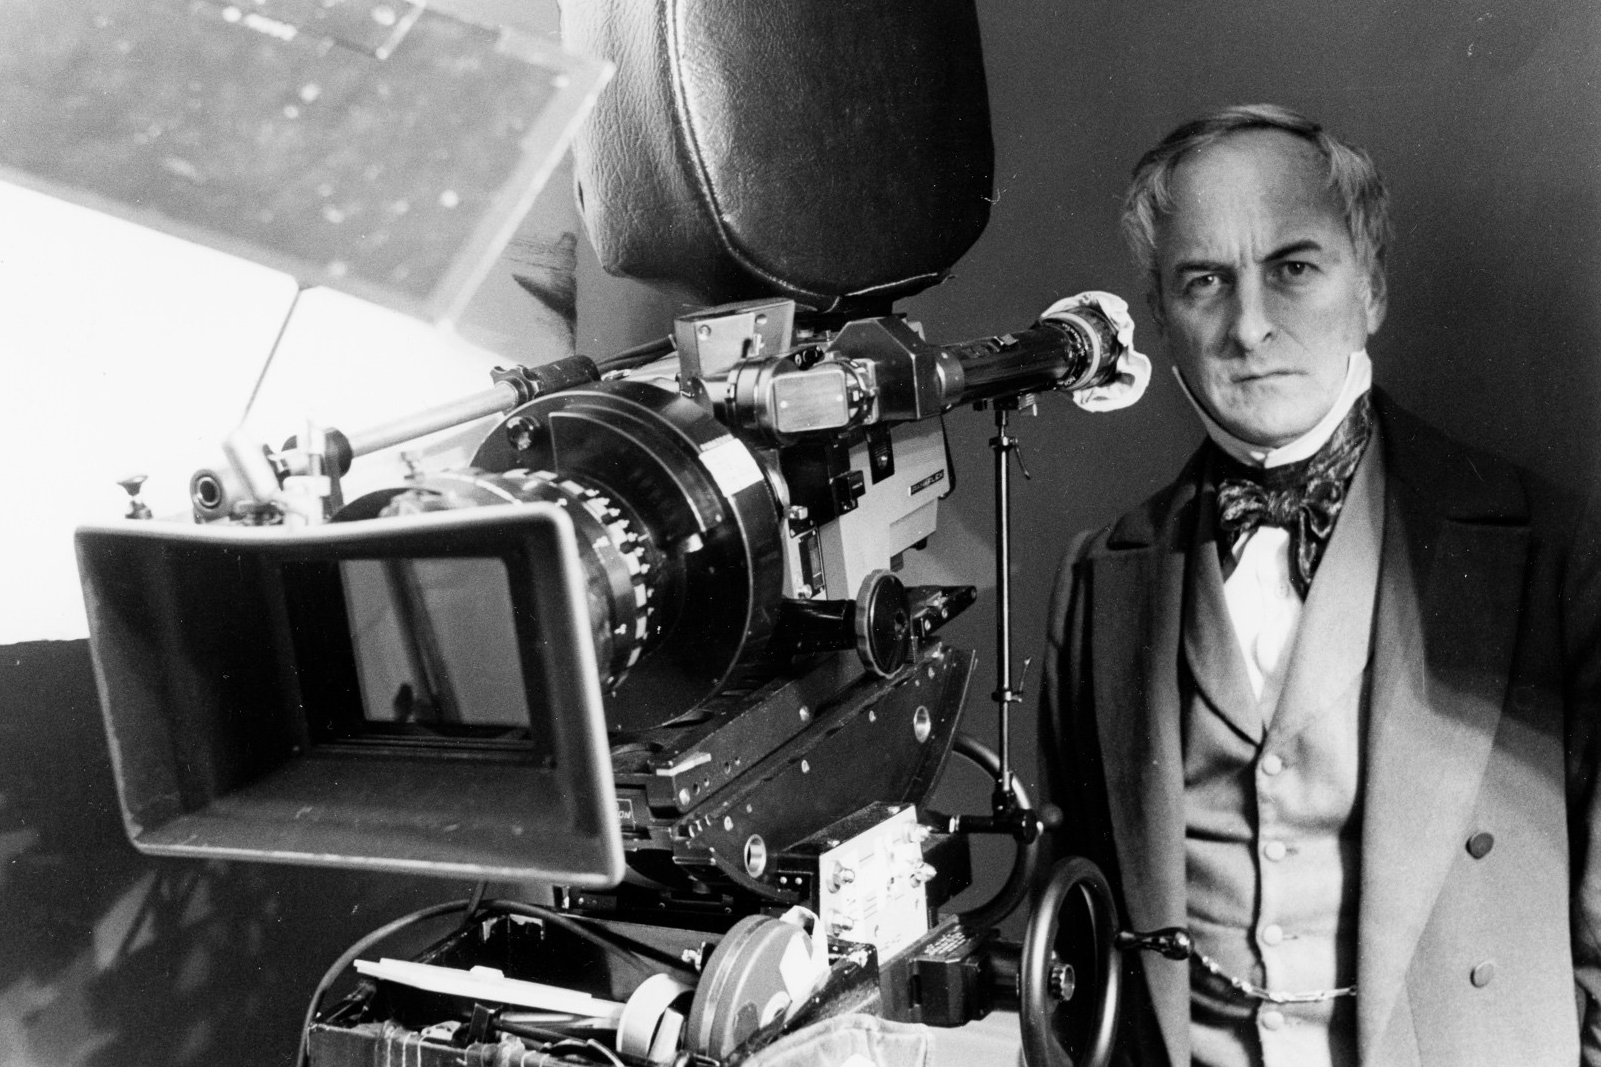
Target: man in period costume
pixel 1329 700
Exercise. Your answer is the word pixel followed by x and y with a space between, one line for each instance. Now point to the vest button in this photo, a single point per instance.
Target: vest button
pixel 1274 850
pixel 1272 934
pixel 1272 763
pixel 1483 974
pixel 1480 844
pixel 1271 1020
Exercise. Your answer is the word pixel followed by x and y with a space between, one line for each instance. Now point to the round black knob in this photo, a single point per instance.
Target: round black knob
pixel 883 622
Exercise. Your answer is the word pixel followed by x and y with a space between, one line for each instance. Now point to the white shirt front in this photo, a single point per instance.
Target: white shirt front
pixel 1263 603
pixel 1265 609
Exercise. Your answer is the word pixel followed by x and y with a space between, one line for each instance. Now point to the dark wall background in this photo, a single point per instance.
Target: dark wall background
pixel 1487 120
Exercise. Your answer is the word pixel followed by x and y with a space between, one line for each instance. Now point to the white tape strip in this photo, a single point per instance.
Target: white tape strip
pixel 648 1027
pixel 668 1035
pixel 730 464
pixel 804 965
pixel 488 984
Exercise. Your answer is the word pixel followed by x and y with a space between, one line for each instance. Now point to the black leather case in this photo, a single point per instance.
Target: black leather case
pixel 836 152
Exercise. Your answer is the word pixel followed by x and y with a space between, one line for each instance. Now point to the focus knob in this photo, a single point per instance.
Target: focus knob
pixel 883 622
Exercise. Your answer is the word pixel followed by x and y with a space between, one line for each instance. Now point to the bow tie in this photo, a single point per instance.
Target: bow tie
pixel 1304 498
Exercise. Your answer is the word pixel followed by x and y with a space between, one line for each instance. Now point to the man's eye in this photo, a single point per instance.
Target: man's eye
pixel 1295 270
pixel 1202 283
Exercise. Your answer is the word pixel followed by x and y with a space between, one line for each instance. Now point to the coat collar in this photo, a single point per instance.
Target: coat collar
pixel 1451 575
pixel 1441 476
pixel 1167 517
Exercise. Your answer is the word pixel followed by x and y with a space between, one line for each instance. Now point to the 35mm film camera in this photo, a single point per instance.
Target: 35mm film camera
pixel 650 648
pixel 648 657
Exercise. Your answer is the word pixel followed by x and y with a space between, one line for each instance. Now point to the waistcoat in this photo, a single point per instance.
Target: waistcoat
pixel 1272 801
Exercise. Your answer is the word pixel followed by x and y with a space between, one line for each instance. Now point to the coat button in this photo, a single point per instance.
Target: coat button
pixel 1274 850
pixel 1272 764
pixel 1480 844
pixel 1272 934
pixel 1271 1020
pixel 1483 974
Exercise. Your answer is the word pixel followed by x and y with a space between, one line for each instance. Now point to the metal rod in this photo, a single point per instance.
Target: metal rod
pixel 1003 444
pixel 488 402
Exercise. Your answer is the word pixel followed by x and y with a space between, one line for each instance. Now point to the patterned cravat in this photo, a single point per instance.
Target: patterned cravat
pixel 1304 498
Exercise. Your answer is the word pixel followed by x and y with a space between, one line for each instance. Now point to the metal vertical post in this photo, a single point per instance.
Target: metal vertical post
pixel 1003 444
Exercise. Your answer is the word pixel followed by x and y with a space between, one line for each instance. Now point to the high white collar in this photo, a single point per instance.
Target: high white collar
pixel 1358 380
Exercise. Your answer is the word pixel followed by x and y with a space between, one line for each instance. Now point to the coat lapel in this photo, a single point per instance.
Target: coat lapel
pixel 1332 645
pixel 1210 645
pixel 1450 585
pixel 1141 576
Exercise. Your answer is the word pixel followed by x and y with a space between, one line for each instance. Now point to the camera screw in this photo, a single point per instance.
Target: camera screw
pixel 520 432
pixel 137 509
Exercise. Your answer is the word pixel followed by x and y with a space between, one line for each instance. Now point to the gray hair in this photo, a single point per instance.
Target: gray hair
pixel 1352 177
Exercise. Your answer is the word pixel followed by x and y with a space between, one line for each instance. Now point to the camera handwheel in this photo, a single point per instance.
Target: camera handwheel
pixel 1071 932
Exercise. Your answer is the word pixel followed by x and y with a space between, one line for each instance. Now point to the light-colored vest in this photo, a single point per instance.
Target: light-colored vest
pixel 1272 802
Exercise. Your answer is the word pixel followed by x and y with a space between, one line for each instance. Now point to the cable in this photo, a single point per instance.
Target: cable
pixel 579 1044
pixel 303 1057
pixel 283 328
pixel 609 941
pixel 950 460
pixel 1025 863
pixel 637 356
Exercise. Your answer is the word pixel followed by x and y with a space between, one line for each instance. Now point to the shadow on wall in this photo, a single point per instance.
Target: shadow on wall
pixel 108 957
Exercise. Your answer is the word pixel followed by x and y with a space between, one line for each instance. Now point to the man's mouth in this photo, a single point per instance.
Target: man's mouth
pixel 1262 375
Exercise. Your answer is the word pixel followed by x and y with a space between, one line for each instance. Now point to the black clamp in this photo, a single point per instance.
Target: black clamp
pixel 1009 820
pixel 531 382
pixel 1170 941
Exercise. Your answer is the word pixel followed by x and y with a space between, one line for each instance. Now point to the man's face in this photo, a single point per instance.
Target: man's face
pixel 1260 294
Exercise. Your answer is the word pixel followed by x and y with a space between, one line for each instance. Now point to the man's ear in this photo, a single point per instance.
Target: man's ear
pixel 1378 299
pixel 1153 302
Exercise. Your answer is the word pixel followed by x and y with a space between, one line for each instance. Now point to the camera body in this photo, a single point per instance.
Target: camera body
pixel 649 648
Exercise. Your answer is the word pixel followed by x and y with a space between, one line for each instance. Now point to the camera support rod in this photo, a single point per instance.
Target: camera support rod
pixel 1010 812
pixel 1003 445
pixel 1008 815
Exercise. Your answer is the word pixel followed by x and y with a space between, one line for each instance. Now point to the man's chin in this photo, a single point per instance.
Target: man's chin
pixel 1262 431
pixel 1274 411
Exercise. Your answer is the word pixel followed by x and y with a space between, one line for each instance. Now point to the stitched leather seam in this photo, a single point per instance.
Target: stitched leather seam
pixel 684 127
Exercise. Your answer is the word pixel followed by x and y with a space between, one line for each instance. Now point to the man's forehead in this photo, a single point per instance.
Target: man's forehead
pixel 1260 185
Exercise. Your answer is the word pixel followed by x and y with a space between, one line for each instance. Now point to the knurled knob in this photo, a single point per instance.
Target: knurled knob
pixel 1062 982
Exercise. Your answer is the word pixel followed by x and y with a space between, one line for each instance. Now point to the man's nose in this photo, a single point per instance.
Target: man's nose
pixel 1252 325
